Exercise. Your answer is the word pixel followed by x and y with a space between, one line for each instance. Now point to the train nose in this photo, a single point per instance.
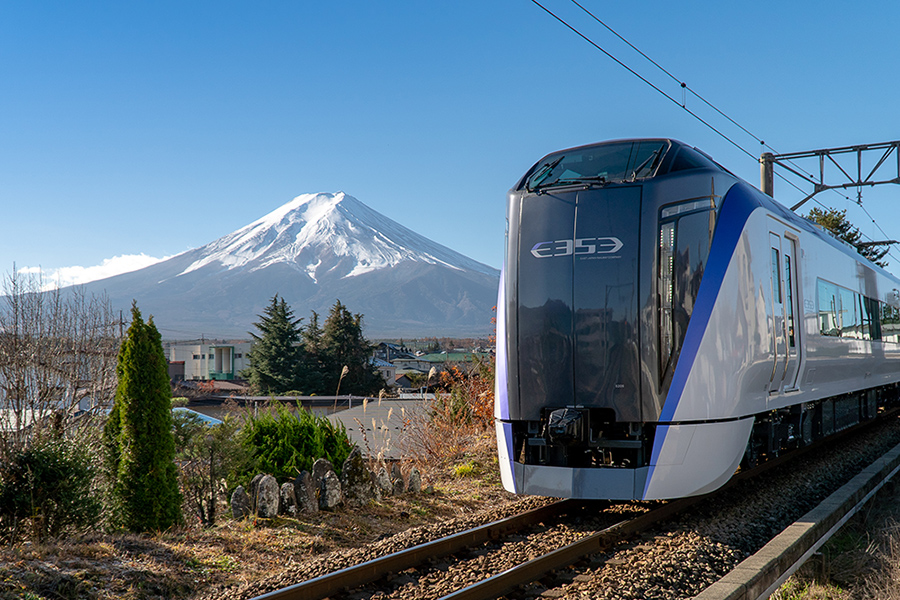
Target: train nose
pixel 578 301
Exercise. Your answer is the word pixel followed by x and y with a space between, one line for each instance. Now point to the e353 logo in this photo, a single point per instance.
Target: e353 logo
pixel 578 246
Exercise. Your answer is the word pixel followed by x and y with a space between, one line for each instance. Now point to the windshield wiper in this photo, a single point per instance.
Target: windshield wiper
pixel 652 157
pixel 588 180
pixel 542 174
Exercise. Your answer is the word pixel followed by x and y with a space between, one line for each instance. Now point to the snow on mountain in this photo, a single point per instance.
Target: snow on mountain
pixel 314 250
pixel 311 226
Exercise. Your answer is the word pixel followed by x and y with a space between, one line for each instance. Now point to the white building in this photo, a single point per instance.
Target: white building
pixel 210 360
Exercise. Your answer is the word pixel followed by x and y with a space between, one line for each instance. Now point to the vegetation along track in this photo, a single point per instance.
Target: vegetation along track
pixel 626 550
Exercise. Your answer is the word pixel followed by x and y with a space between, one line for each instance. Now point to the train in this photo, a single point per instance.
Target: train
pixel 661 323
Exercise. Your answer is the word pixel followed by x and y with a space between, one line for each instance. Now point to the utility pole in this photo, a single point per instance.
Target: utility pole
pixel 767 173
pixel 833 156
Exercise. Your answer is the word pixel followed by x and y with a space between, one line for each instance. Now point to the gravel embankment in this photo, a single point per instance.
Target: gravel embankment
pixel 676 561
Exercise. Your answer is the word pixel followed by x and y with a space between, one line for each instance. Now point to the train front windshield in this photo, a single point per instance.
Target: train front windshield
pixel 609 163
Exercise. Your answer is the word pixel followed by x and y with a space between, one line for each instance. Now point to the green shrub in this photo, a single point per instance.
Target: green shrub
pixel 46 489
pixel 283 444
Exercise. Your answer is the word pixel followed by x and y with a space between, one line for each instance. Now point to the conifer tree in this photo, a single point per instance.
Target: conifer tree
pixel 312 346
pixel 836 222
pixel 140 448
pixel 277 359
pixel 343 345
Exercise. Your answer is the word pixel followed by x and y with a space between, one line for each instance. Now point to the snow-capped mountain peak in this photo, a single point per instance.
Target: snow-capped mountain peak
pixel 326 234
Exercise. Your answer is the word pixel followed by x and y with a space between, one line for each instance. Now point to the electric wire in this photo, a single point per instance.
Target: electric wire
pixel 658 89
pixel 683 105
pixel 685 86
pixel 645 80
pixel 676 79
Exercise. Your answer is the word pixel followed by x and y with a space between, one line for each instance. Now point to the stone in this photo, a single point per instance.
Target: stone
pixel 356 481
pixel 267 497
pixel 383 481
pixel 397 480
pixel 241 507
pixel 254 488
pixel 305 493
pixel 319 468
pixel 414 481
pixel 288 504
pixel 330 491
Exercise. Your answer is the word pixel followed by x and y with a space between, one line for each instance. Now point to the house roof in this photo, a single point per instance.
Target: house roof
pixel 379 427
pixel 455 357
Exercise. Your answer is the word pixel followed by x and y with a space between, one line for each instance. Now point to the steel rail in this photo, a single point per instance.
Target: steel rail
pixel 536 568
pixel 351 577
pixel 361 574
pixel 761 574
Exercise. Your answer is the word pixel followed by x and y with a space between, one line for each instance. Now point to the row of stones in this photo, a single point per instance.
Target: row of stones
pixel 322 489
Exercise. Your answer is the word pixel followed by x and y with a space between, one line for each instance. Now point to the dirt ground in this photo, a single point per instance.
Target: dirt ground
pixel 861 561
pixel 189 562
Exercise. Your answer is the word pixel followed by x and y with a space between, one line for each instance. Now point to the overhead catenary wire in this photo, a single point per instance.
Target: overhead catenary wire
pixel 683 85
pixel 682 104
pixel 644 79
pixel 661 91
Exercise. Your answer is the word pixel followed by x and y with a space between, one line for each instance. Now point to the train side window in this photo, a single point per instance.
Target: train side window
pixel 789 300
pixel 849 314
pixel 872 318
pixel 684 240
pixel 827 301
pixel 666 290
pixel 776 276
pixel 890 323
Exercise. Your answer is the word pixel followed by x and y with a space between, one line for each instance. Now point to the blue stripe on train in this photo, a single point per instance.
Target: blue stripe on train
pixel 739 202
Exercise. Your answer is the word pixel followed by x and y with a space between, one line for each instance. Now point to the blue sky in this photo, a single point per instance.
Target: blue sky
pixel 154 127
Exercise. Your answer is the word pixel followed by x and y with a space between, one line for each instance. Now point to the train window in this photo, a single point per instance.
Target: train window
pixel 688 159
pixel 683 251
pixel 827 300
pixel 890 323
pixel 864 321
pixel 871 318
pixel 850 325
pixel 776 276
pixel 615 162
pixel 666 287
pixel 844 313
pixel 789 300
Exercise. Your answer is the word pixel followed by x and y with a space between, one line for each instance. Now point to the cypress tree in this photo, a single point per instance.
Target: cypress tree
pixel 140 448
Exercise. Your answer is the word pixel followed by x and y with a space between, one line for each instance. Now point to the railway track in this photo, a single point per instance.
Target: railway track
pixel 631 550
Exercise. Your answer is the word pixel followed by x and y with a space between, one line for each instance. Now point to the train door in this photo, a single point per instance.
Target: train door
pixel 784 313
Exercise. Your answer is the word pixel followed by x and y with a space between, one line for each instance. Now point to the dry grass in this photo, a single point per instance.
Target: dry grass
pixel 188 562
pixel 861 562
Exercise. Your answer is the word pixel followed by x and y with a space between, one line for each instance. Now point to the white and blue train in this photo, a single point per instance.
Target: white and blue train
pixel 661 322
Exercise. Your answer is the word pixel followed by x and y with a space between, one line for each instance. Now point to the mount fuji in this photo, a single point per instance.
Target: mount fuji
pixel 314 250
